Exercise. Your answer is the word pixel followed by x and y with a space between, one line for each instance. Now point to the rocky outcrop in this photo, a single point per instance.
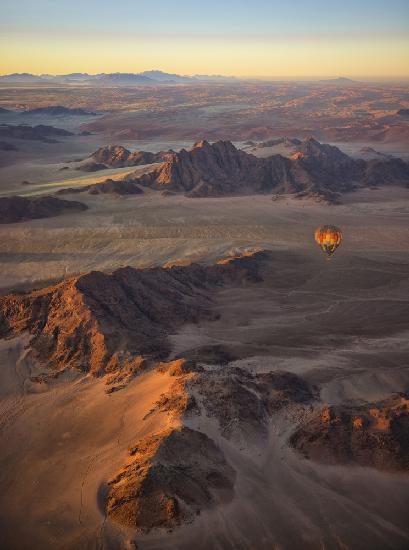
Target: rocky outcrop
pixel 241 402
pixel 35 133
pixel 170 478
pixel 97 322
pixel 375 435
pixel 116 156
pixel 17 209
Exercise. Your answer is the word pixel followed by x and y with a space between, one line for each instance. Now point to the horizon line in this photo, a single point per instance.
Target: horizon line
pixel 218 75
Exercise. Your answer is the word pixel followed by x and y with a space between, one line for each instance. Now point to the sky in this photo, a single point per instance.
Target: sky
pixel 254 38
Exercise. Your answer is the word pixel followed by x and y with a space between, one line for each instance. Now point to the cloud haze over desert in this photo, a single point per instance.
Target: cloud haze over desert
pixel 204 275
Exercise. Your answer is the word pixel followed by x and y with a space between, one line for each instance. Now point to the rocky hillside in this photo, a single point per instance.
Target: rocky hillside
pixel 374 434
pixel 314 170
pixel 116 156
pixel 17 209
pixel 104 322
pixel 173 475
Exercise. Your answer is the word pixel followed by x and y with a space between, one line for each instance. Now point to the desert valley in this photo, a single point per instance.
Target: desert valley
pixel 181 367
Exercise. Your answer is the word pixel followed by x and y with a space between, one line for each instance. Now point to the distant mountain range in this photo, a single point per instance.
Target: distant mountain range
pixel 151 78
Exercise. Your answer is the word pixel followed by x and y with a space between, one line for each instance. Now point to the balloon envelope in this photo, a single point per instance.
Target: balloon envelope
pixel 328 238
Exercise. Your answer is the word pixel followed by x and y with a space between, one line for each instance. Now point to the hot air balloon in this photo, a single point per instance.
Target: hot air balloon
pixel 328 238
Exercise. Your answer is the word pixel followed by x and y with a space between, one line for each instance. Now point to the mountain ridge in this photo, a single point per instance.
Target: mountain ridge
pixel 100 323
pixel 315 170
pixel 150 77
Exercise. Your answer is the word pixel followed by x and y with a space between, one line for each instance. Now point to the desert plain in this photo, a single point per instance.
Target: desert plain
pixel 273 353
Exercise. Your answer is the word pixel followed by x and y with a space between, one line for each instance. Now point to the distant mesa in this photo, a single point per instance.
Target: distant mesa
pixel 315 170
pixel 17 209
pixel 58 110
pixel 35 133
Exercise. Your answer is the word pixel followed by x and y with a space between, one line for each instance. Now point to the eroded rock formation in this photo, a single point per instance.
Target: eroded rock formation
pixel 374 434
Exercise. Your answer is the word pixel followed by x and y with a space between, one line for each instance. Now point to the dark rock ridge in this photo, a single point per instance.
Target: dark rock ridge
pixel 171 477
pixel 97 322
pixel 5 146
pixel 314 170
pixel 58 110
pixel 36 133
pixel 17 209
pixel 375 435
